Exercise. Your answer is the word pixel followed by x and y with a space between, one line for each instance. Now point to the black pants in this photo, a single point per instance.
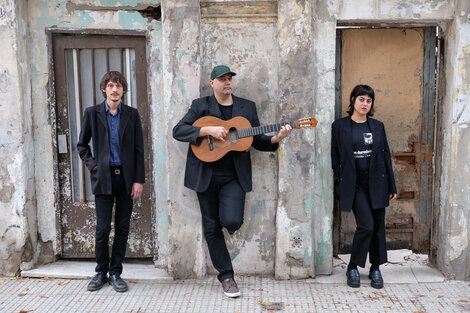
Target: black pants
pixel 222 205
pixel 122 217
pixel 370 230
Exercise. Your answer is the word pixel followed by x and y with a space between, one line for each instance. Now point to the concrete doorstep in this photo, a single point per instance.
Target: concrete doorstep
pixel 67 269
pixel 403 267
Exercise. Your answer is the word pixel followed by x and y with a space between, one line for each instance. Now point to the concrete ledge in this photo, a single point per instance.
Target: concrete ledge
pixel 85 270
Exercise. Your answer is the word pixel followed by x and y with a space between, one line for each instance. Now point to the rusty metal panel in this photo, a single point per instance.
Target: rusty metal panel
pixel 77 209
pixel 392 62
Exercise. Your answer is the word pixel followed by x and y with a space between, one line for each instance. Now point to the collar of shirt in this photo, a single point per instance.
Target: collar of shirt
pixel 107 107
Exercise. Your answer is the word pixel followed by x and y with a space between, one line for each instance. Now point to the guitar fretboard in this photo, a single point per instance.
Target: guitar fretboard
pixel 253 131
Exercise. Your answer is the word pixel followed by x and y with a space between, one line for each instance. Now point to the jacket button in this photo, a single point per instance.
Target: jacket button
pixel 383 175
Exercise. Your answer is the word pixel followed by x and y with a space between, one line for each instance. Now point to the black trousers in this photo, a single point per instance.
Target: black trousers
pixel 122 217
pixel 370 230
pixel 222 205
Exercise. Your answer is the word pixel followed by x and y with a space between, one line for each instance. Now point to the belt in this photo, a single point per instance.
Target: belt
pixel 365 172
pixel 116 170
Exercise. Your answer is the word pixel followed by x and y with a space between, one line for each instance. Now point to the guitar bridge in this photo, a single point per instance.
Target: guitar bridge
pixel 211 144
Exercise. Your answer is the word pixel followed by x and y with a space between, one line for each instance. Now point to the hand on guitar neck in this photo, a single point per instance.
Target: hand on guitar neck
pixel 283 133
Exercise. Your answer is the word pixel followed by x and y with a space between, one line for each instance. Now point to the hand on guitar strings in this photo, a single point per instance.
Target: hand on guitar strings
pixel 283 133
pixel 217 132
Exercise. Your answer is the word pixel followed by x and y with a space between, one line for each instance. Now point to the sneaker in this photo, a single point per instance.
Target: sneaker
pixel 230 288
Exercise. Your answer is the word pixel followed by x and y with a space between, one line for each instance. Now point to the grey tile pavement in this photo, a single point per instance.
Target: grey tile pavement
pixel 205 295
pixel 411 285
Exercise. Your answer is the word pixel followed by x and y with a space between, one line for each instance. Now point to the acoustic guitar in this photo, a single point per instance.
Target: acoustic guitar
pixel 239 137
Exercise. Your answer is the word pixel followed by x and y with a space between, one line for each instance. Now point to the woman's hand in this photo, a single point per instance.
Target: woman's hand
pixel 392 196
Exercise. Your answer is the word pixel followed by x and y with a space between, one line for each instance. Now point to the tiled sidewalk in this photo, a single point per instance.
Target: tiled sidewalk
pixel 55 295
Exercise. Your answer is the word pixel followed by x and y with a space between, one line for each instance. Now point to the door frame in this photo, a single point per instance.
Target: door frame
pixel 429 129
pixel 53 109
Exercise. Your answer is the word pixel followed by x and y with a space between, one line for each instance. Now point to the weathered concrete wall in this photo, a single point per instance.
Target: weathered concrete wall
pixel 453 229
pixel 453 255
pixel 18 235
pixel 285 58
pixel 240 43
pixel 181 62
pixel 294 217
pixel 94 15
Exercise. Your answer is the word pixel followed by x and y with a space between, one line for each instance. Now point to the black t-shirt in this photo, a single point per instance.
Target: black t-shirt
pixel 362 145
pixel 225 164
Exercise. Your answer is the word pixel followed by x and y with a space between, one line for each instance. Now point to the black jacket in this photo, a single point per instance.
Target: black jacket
pixel 198 174
pixel 95 126
pixel 381 179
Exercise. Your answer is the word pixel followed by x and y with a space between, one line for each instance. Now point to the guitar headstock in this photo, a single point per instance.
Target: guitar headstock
pixel 306 122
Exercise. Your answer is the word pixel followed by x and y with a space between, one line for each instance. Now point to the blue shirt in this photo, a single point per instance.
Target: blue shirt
pixel 113 127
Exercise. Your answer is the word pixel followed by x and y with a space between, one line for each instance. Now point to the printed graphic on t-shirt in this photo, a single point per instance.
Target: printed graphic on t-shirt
pixel 367 147
pixel 367 138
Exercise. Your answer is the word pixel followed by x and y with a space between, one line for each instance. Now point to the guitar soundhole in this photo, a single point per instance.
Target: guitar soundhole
pixel 233 135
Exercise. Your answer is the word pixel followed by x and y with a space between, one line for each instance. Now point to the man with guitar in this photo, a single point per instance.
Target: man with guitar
pixel 221 184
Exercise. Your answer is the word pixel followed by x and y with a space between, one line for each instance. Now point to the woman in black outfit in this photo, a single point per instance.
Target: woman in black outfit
pixel 364 181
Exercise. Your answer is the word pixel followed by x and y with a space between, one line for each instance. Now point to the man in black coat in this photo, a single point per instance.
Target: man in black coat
pixel 117 173
pixel 221 185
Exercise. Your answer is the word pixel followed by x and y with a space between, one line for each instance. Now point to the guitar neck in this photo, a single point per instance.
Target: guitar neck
pixel 253 131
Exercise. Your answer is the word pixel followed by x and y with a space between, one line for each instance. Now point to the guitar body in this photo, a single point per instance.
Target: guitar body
pixel 207 152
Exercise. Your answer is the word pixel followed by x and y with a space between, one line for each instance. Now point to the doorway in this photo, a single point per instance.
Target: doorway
pixel 80 61
pixel 400 64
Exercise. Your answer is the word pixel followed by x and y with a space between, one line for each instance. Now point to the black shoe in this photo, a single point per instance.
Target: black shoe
pixel 376 279
pixel 354 280
pixel 231 232
pixel 118 284
pixel 97 281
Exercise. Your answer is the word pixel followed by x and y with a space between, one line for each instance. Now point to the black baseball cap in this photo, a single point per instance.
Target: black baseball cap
pixel 221 70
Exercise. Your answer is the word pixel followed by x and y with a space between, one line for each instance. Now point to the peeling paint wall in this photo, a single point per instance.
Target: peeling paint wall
pixel 181 67
pixel 453 255
pixel 284 54
pixel 240 45
pixel 86 15
pixel 18 234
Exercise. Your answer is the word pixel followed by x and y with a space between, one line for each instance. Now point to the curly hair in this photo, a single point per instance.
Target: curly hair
pixel 115 77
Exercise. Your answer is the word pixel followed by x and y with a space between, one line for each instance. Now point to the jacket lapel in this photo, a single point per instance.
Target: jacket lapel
pixel 237 108
pixel 102 116
pixel 214 107
pixel 373 125
pixel 125 115
pixel 347 135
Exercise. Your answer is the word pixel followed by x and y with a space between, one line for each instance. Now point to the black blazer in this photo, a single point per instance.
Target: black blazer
pixel 95 126
pixel 381 179
pixel 198 174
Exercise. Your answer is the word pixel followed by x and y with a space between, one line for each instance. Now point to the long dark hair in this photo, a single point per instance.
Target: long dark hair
pixel 361 90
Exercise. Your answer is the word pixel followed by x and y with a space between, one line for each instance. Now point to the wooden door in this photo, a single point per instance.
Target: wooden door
pixel 399 64
pixel 79 64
